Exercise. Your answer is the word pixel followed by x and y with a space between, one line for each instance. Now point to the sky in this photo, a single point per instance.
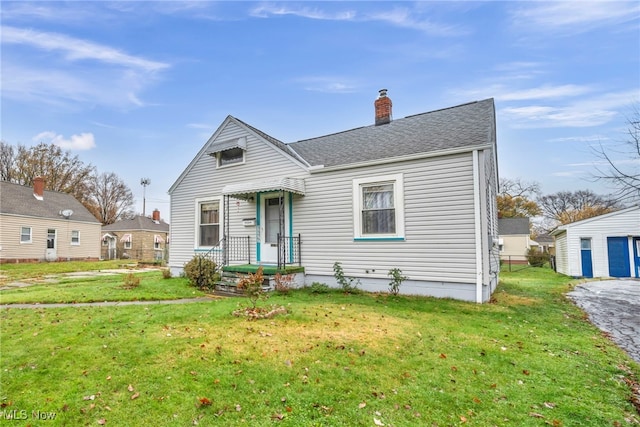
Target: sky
pixel 138 87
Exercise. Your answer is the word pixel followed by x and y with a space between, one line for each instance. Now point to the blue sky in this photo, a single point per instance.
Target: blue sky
pixel 137 88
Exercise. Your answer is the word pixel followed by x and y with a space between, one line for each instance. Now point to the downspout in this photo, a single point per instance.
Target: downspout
pixel 477 221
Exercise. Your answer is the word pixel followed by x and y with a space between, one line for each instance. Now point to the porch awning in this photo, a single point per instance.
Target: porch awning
pixel 228 144
pixel 243 189
pixel 158 239
pixel 107 236
pixel 126 238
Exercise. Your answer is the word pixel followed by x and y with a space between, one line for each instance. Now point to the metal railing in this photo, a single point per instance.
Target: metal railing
pixel 230 248
pixel 288 250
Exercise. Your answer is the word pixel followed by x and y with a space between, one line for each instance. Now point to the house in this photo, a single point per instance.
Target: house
pixel 603 246
pixel 546 243
pixel 514 241
pixel 416 193
pixel 141 237
pixel 43 225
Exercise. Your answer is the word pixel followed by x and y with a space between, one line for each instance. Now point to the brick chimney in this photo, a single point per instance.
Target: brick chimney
pixel 38 187
pixel 383 108
pixel 155 215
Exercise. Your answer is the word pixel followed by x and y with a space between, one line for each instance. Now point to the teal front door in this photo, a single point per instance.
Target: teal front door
pixel 636 255
pixel 585 257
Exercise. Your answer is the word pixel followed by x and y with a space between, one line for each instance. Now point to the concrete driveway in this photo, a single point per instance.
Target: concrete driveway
pixel 614 307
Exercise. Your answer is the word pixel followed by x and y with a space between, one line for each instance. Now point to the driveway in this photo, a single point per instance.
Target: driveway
pixel 614 307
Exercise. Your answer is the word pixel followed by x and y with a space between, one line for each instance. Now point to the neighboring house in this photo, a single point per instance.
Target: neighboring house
pixel 603 246
pixel 546 243
pixel 514 240
pixel 417 194
pixel 141 238
pixel 43 225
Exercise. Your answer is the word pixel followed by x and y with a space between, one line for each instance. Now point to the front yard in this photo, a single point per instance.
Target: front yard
pixel 529 358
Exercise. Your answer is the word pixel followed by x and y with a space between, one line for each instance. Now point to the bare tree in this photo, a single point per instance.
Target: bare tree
pixel 516 198
pixel 61 171
pixel 565 207
pixel 622 165
pixel 110 198
pixel 7 161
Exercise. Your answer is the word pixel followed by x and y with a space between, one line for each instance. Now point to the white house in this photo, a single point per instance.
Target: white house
pixel 603 246
pixel 42 225
pixel 416 193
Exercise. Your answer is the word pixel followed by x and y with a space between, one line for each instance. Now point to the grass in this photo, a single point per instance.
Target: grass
pixel 528 359
pixel 14 272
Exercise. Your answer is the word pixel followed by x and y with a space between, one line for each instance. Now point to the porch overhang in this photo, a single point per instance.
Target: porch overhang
pixel 243 190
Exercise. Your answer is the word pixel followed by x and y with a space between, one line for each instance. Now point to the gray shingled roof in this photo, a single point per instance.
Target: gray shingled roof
pixel 18 199
pixel 511 226
pixel 137 223
pixel 457 127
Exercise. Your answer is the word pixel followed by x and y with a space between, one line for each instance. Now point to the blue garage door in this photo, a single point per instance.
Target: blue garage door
pixel 618 250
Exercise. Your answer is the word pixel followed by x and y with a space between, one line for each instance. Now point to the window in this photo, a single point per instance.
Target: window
pixel 126 239
pixel 127 245
pixel 585 244
pixel 379 207
pixel 209 224
pixel 157 240
pixel 75 237
pixel 25 235
pixel 231 156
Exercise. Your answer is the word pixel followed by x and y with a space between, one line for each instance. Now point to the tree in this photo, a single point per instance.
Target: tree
pixel 565 207
pixel 62 171
pixel 109 198
pixel 515 199
pixel 624 172
pixel 7 160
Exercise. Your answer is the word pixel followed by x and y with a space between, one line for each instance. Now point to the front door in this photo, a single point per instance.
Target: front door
pixel 51 253
pixel 618 253
pixel 270 223
pixel 585 256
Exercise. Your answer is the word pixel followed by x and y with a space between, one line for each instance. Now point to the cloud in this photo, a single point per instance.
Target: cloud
pixel 77 49
pixel 78 71
pixel 327 84
pixel 399 17
pixel 571 16
pixel 83 141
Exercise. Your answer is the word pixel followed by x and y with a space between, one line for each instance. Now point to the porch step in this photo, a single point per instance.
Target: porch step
pixel 229 283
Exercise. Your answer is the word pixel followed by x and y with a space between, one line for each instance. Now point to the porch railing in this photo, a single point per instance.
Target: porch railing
pixel 288 250
pixel 230 248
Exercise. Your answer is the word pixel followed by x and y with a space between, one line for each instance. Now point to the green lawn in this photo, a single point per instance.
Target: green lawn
pixel 527 359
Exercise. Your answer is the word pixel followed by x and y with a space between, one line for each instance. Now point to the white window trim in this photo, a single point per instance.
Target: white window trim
pixel 25 242
pixel 196 228
pixel 221 166
pixel 398 200
pixel 78 242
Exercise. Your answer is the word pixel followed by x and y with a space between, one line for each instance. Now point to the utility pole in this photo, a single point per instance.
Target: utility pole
pixel 144 182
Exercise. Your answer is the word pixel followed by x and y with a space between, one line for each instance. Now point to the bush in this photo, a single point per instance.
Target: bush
pixel 537 258
pixel 252 286
pixel 348 284
pixel 319 288
pixel 396 280
pixel 283 283
pixel 166 273
pixel 202 273
pixel 131 281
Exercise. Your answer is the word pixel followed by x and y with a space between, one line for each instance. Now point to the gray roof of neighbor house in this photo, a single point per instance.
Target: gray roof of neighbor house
pixel 459 127
pixel 511 226
pixel 138 223
pixel 18 199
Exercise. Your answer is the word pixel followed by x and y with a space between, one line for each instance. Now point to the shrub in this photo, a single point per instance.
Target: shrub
pixel 319 288
pixel 396 280
pixel 537 258
pixel 131 281
pixel 201 272
pixel 252 285
pixel 166 273
pixel 348 284
pixel 283 283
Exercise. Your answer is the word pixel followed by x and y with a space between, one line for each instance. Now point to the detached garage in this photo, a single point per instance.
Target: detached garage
pixel 603 246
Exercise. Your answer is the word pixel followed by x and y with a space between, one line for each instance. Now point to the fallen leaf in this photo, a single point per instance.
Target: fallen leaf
pixel 535 415
pixel 135 395
pixel 524 371
pixel 204 401
pixel 362 405
pixel 109 378
pixel 92 397
pixel 278 417
pixel 443 356
pixel 377 422
pixel 130 388
pixel 102 421
pixel 238 408
pixel 549 405
pixel 463 419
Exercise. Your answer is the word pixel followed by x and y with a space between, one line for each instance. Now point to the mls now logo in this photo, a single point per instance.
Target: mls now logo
pixel 14 414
